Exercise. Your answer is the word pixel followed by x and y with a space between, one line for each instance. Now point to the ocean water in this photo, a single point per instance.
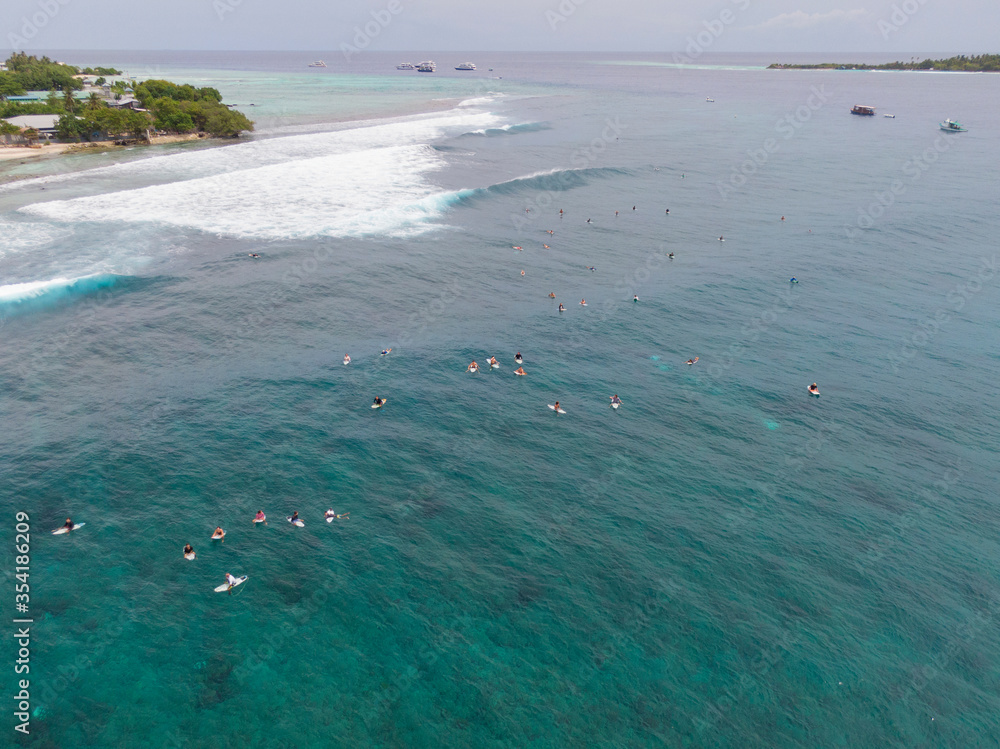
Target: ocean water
pixel 723 561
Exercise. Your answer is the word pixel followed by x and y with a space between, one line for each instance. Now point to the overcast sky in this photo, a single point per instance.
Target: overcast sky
pixel 877 26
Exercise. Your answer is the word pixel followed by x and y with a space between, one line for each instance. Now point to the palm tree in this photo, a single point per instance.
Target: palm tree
pixel 94 101
pixel 69 101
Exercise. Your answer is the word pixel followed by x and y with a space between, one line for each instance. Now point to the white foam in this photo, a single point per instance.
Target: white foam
pixel 362 192
pixel 23 235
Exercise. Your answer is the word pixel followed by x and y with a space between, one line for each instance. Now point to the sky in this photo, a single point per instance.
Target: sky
pixel 873 26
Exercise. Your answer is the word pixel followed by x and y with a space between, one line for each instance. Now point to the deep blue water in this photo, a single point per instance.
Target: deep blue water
pixel 723 561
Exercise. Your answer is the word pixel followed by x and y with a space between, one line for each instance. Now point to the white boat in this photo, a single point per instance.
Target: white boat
pixel 427 66
pixel 950 126
pixel 890 116
pixel 465 66
pixel 317 64
pixel 709 98
pixel 405 66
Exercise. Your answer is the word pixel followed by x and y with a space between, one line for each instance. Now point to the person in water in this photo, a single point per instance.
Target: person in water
pixel 814 388
pixel 616 399
pixel 692 361
pixel 668 211
pixel 472 367
pixel 294 517
pixel 330 513
pixel 671 256
pixel 635 297
pixel 583 302
pixel 520 371
pixel 522 272
pixel 68 525
pixel 347 359
pixel 385 351
pixel 260 517
pixel 517 357
pixel 219 534
pixel 793 279
pixel 556 407
pixel 561 308
pixel 378 401
pixel 552 295
pixel 188 549
pixel 493 360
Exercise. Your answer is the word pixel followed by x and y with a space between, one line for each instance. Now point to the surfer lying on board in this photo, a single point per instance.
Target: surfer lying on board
pixel 693 361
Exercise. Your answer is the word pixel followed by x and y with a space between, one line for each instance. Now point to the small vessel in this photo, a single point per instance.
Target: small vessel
pixel 709 98
pixel 317 64
pixel 405 66
pixel 950 126
pixel 465 66
pixel 890 116
pixel 863 110
pixel 428 66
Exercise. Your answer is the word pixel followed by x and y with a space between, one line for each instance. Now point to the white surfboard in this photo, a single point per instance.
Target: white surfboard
pixel 261 520
pixel 225 586
pixel 64 529
pixel 299 523
pixel 346 362
pixel 189 556
pixel 494 366
pixel 519 361
pixel 520 374
pixel 811 392
pixel 555 409
pixel 330 518
pixel 379 405
pixel 473 370
pixel 615 406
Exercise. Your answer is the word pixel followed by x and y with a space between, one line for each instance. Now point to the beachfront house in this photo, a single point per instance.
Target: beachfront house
pixel 44 124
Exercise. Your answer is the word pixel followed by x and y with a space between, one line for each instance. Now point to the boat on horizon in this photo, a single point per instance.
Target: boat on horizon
pixel 863 110
pixel 709 98
pixel 950 126
pixel 317 64
pixel 465 66
pixel 405 66
pixel 428 66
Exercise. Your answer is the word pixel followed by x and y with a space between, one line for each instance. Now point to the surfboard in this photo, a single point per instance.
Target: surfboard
pixel 225 586
pixel 811 392
pixel 583 304
pixel 473 370
pixel 262 520
pixel 346 362
pixel 615 406
pixel 519 361
pixel 330 518
pixel 554 409
pixel 386 352
pixel 379 405
pixel 190 556
pixel 299 523
pixel 60 531
pixel 520 374
pixel 494 366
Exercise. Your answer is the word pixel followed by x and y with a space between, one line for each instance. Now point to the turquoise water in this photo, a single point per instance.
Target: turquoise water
pixel 723 561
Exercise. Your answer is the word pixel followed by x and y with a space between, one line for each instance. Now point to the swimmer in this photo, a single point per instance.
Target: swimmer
pixel 520 371
pixel 693 361
pixel 552 295
pixel 260 517
pixel 782 218
pixel 549 232
pixel 219 535
pixel 385 351
pixel 668 211
pixel 671 256
pixel 473 367
pixel 588 220
pixel 546 247
pixel 583 302
pixel 188 549
pixel 591 268
pixel 561 308
pixel 793 279
pixel 635 297
pixel 522 272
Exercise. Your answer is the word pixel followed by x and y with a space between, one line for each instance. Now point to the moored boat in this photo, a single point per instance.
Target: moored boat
pixel 950 126
pixel 465 66
pixel 863 110
pixel 405 66
pixel 317 64
pixel 428 66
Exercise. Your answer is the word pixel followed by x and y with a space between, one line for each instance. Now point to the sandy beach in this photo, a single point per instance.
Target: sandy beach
pixel 12 153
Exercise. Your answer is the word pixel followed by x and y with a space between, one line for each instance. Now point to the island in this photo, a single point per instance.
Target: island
pixel 961 63
pixel 46 101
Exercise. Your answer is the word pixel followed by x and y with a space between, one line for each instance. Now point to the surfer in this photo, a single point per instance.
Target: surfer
pixel 635 297
pixel 546 247
pixel 556 407
pixel 330 513
pixel 616 214
pixel 814 389
pixel 721 239
pixel 588 220
pixel 218 534
pixel 188 549
pixel 549 231
pixel 260 517
pixel 347 359
pixel 385 351
pixel 68 525
pixel 473 367
pixel 516 247
pixel 793 279
pixel 493 361
pixel 294 517
pixel 633 208
pixel 693 361
pixel 232 581
pixel 378 401
pixel 583 302
pixel 615 399
pixel 591 268
pixel 561 308
pixel 671 256
pixel 522 272
pixel 782 218
pixel 668 211
pixel 552 295
pixel 520 371
pixel 560 213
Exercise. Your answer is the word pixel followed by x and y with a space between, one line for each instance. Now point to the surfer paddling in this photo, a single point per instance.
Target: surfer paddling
pixel 692 361
pixel 219 535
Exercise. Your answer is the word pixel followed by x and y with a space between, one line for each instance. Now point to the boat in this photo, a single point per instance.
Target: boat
pixel 890 116
pixel 427 66
pixel 465 66
pixel 863 110
pixel 950 126
pixel 317 64
pixel 405 66
pixel 709 98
